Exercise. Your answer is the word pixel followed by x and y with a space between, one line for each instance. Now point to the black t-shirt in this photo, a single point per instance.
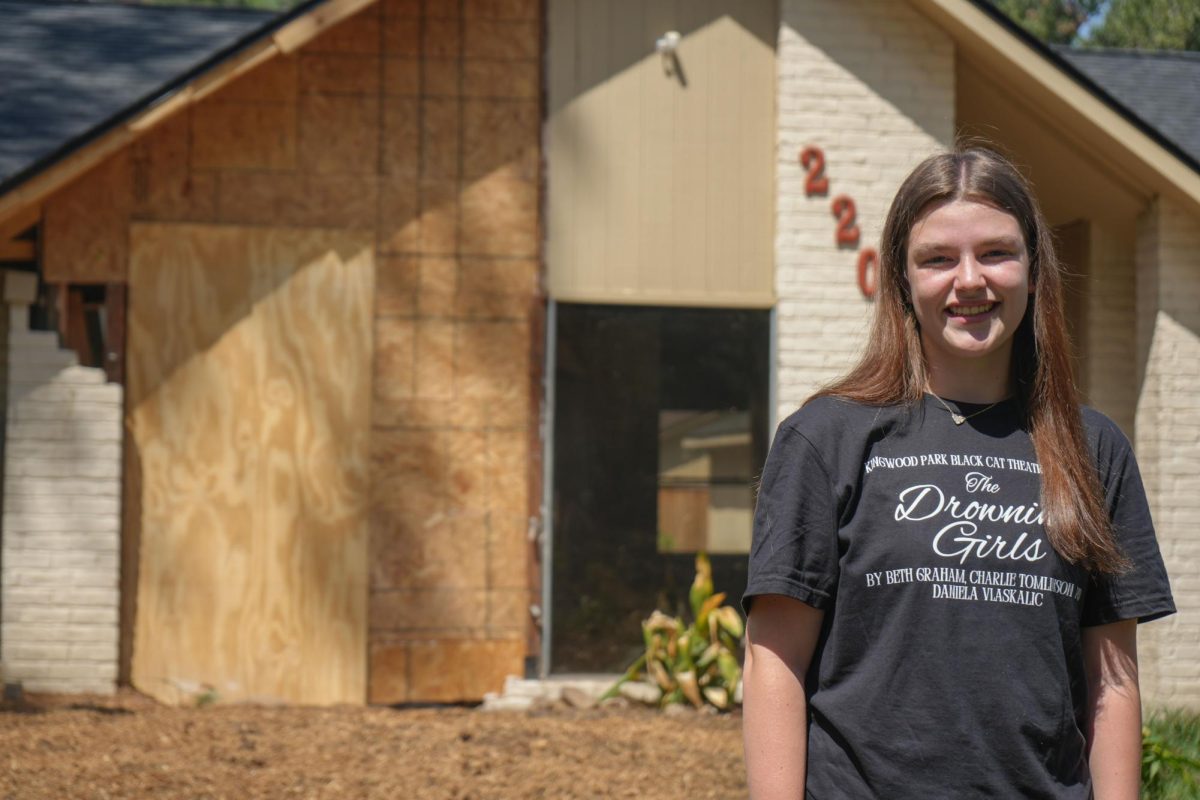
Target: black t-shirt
pixel 949 664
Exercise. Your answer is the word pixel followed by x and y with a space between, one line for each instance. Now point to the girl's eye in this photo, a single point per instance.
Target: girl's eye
pixel 998 254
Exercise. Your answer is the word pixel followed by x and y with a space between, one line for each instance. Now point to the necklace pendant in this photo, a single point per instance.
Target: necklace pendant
pixel 959 419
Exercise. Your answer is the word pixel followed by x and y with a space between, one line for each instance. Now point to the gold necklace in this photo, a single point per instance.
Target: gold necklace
pixel 958 418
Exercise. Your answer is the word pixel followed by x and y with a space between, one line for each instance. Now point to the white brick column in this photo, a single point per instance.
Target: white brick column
pixel 1168 439
pixel 871 82
pixel 61 516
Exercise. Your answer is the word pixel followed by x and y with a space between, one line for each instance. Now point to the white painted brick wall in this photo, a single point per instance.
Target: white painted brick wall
pixel 1168 439
pixel 59 618
pixel 871 83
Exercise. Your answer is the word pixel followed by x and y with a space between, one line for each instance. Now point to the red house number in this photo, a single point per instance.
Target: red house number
pixel 812 158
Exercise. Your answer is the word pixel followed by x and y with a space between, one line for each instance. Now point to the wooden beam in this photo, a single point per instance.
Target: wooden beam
pixel 19 222
pixel 300 31
pixel 114 336
pixel 17 250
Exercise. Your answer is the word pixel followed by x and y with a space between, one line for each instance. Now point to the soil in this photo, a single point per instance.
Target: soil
pixel 128 746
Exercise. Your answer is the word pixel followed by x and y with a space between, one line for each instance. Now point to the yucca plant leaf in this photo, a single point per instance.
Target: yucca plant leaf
pixel 634 671
pixel 717 696
pixel 702 586
pixel 731 621
pixel 683 648
pixel 658 621
pixel 690 687
pixel 709 656
pixel 706 609
pixel 660 675
pixel 730 671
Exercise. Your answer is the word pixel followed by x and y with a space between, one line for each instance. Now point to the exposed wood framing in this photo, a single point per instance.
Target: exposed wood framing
pixel 17 250
pixel 20 222
pixel 287 39
pixel 114 335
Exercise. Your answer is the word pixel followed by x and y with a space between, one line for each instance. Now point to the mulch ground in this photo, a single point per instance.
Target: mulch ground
pixel 130 747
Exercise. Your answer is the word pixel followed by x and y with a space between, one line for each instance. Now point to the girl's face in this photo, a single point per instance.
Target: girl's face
pixel 968 275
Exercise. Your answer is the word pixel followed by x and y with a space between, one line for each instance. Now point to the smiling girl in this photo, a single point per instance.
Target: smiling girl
pixel 899 646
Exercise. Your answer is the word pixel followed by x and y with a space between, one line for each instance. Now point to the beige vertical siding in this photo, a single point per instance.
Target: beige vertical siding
pixel 1111 341
pixel 661 186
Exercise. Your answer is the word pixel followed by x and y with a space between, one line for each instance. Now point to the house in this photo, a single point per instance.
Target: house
pixel 385 348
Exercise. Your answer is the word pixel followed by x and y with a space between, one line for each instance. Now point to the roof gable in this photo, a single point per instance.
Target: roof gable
pixel 1083 110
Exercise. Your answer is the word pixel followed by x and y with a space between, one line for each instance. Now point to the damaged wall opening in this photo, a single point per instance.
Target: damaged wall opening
pixel 660 430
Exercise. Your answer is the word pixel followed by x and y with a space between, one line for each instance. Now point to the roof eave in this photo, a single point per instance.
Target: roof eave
pixel 1075 100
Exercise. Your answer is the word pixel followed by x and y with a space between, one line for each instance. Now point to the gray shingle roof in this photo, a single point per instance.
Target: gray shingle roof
pixel 67 68
pixel 1162 88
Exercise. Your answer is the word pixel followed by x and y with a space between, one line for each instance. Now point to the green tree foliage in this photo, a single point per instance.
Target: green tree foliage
pixel 1053 21
pixel 1149 24
pixel 1145 24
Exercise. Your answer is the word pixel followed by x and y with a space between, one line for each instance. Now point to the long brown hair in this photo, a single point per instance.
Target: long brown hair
pixel 892 368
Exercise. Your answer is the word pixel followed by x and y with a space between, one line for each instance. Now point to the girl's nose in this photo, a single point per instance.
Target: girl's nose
pixel 969 275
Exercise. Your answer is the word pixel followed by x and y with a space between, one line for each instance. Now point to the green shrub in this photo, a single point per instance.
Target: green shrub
pixel 1171 756
pixel 694 663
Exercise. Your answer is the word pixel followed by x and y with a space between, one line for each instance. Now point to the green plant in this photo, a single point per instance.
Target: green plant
pixel 694 663
pixel 1171 756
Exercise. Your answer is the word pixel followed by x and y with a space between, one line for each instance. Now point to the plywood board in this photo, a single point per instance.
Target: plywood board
pixel 249 363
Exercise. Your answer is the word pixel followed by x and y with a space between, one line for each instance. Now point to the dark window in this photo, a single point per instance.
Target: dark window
pixel 660 431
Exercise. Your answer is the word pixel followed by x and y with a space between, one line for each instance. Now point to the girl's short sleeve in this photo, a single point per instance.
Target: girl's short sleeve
pixel 794 550
pixel 1144 591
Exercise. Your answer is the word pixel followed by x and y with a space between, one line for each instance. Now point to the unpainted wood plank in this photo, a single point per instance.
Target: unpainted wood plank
pixel 17 250
pixel 114 334
pixel 249 362
pixel 20 221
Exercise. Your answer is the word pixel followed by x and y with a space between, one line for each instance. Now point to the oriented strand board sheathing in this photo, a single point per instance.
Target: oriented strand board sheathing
pixel 339 133
pixel 165 187
pixel 85 228
pixel 249 403
pixel 244 135
pixel 296 198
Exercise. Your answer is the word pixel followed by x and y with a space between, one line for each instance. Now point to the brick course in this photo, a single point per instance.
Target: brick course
pixel 61 520
pixel 1167 436
pixel 873 86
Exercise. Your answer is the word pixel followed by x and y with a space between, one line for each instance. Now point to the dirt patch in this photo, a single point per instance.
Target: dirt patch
pixel 130 747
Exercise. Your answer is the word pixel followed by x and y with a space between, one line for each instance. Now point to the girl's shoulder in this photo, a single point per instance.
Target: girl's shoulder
pixel 1108 443
pixel 1099 425
pixel 829 422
